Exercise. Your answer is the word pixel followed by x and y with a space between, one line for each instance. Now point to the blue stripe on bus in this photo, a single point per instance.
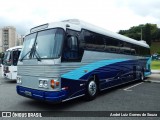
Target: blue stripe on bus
pixel 78 73
pixel 148 62
pixel 147 74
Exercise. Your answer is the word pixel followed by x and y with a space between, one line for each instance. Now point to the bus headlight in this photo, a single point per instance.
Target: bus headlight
pixel 43 83
pixel 19 81
pixel 40 83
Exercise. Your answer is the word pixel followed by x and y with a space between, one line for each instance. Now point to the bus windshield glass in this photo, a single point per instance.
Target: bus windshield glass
pixel 45 44
pixel 7 57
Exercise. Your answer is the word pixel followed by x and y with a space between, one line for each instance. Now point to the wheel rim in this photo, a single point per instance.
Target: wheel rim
pixel 92 88
pixel 142 76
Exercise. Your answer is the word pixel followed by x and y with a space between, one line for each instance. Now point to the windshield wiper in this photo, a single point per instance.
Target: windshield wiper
pixel 32 52
pixel 25 55
pixel 35 53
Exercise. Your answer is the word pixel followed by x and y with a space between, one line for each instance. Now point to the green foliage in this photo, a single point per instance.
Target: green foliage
pixel 1 55
pixel 149 32
pixel 134 32
pixel 157 35
pixel 155 47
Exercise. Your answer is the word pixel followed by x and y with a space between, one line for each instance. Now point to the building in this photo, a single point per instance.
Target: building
pixel 9 38
pixel 19 40
pixel 0 40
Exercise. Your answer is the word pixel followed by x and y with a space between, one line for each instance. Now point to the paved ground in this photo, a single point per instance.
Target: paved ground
pixel 155 71
pixel 136 96
pixel 154 78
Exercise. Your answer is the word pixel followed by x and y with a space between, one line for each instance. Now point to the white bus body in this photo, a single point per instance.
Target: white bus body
pixel 9 65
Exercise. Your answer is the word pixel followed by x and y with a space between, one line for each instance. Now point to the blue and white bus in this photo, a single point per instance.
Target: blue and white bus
pixel 64 60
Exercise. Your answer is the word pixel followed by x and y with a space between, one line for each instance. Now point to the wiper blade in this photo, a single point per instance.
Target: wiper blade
pixel 25 55
pixel 32 52
pixel 35 53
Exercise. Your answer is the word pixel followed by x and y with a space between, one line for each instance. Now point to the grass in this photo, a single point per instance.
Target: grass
pixel 155 65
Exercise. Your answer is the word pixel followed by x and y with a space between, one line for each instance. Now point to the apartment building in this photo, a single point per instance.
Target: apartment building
pixel 9 38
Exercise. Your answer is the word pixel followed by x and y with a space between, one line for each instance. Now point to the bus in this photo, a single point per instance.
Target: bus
pixel 9 64
pixel 64 60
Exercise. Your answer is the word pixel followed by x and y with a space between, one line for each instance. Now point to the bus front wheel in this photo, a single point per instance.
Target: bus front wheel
pixel 91 90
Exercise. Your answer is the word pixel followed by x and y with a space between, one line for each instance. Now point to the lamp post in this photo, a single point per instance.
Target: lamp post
pixel 142 26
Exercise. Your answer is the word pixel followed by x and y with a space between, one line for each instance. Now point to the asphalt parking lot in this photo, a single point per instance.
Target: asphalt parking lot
pixel 135 96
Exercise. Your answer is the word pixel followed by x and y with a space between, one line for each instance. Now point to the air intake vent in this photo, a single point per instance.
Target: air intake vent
pixel 41 27
pixel 72 21
pixel 142 41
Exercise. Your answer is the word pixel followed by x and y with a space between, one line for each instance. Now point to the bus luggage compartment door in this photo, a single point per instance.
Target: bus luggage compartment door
pixel 134 72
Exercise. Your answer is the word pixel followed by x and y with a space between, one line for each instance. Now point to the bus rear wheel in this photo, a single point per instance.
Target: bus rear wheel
pixel 91 90
pixel 142 76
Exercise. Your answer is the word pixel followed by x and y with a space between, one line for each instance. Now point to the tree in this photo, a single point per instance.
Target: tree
pixel 147 34
pixel 158 35
pixel 122 32
pixel 146 30
pixel 134 32
pixel 1 55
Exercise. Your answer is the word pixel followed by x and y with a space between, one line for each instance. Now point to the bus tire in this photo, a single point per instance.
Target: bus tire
pixel 91 90
pixel 142 76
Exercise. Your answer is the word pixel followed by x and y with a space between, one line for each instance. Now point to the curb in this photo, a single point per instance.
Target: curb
pixel 155 71
pixel 153 81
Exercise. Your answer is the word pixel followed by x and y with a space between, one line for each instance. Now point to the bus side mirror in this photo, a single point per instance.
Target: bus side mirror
pixel 72 42
pixel 71 49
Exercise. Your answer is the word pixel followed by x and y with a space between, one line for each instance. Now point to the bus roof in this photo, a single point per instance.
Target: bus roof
pixel 14 48
pixel 78 25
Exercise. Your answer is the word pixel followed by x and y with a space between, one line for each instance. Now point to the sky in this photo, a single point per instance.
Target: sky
pixel 113 15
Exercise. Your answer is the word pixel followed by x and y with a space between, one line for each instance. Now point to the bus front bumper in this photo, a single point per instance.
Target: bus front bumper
pixel 49 96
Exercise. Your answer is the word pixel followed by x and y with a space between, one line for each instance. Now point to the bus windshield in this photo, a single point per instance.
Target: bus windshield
pixel 7 57
pixel 11 57
pixel 45 44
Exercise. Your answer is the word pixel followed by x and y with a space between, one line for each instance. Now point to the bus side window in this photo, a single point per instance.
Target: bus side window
pixel 71 49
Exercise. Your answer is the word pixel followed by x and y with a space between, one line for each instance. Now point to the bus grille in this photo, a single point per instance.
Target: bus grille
pixel 39 71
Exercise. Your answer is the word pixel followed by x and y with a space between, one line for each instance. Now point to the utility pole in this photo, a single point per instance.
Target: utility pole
pixel 141 33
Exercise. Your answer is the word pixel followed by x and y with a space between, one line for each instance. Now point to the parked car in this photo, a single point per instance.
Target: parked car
pixel 155 56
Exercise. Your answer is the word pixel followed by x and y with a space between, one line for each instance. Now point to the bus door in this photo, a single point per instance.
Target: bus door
pixel 15 56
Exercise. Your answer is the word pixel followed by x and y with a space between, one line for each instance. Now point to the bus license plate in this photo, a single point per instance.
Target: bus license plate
pixel 28 93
